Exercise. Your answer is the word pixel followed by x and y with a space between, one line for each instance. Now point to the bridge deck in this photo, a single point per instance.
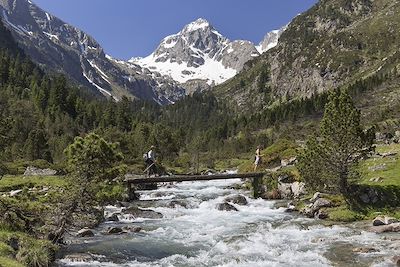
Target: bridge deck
pixel 131 179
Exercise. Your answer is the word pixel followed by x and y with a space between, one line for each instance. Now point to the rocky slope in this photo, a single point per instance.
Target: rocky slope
pixel 58 46
pixel 331 45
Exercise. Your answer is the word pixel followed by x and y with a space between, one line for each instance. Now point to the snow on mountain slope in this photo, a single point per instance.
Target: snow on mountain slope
pixel 198 52
pixel 60 47
pixel 270 40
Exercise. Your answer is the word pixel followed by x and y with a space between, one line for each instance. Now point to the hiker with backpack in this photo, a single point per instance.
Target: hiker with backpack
pixel 150 160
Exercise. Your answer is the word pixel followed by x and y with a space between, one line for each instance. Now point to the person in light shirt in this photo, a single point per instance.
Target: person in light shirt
pixel 258 158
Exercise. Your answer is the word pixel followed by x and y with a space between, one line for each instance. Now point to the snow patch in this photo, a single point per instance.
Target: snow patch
pixel 48 16
pixel 102 74
pixel 102 90
pixel 52 36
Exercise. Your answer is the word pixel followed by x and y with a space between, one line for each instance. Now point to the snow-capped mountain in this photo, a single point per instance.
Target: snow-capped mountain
pixel 270 40
pixel 198 52
pixel 60 47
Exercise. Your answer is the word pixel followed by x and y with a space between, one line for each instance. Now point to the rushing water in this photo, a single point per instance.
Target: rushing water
pixel 259 234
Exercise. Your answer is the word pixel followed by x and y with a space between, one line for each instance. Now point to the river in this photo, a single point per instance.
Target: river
pixel 259 234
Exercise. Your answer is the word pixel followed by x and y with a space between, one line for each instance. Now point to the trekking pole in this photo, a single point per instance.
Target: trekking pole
pixel 149 167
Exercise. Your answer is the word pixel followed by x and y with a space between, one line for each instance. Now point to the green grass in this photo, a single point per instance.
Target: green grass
pixel 391 175
pixel 18 182
pixel 344 214
pixel 8 262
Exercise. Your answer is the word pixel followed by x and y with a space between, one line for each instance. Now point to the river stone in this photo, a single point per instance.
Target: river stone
pixel 274 194
pixel 112 218
pixel 226 206
pixel 176 203
pixel 322 215
pixel 394 227
pixel 378 221
pixel 285 190
pixel 85 232
pixel 364 250
pixel 143 213
pixel 298 189
pixel 237 199
pixel 390 220
pixel 114 230
pixel 307 211
pixel 321 203
pixel 396 260
pixel 131 229
pixel 79 257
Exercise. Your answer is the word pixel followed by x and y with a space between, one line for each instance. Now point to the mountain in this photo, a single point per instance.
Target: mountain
pixel 60 47
pixel 270 40
pixel 334 44
pixel 199 53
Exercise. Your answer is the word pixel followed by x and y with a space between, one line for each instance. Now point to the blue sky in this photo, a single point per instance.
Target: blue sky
pixel 127 28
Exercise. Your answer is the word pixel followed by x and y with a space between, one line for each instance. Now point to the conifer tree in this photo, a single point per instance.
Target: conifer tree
pixel 328 162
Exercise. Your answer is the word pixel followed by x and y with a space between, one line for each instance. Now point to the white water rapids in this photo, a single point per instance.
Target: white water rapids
pixel 259 234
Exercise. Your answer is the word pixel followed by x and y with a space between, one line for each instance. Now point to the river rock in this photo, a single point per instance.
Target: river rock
pixel 273 194
pixel 321 203
pixel 285 190
pixel 114 230
pixel 396 260
pixel 33 171
pixel 143 213
pixel 79 257
pixel 298 189
pixel 384 220
pixel 113 218
pixel 85 232
pixel 379 221
pixel 394 227
pixel 308 211
pixel 364 250
pixel 322 215
pixel 237 199
pixel 226 206
pixel 132 229
pixel 176 203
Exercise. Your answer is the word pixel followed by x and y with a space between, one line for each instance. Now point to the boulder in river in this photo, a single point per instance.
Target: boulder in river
pixel 114 230
pixel 394 227
pixel 237 199
pixel 79 257
pixel 396 260
pixel 142 213
pixel 384 220
pixel 364 250
pixel 85 232
pixel 322 215
pixel 226 206
pixel 177 203
pixel 112 218
pixel 132 229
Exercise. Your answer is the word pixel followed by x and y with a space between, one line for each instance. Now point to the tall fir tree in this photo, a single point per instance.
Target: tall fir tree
pixel 328 162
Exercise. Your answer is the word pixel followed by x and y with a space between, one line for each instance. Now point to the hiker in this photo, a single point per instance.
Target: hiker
pixel 150 160
pixel 258 158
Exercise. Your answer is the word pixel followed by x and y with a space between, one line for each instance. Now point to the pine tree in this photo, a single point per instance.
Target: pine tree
pixel 328 162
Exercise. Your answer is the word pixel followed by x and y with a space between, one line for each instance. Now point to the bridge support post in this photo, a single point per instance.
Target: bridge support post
pixel 256 183
pixel 131 192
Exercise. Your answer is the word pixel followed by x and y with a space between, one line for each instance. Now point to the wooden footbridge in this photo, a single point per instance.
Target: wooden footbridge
pixel 132 180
